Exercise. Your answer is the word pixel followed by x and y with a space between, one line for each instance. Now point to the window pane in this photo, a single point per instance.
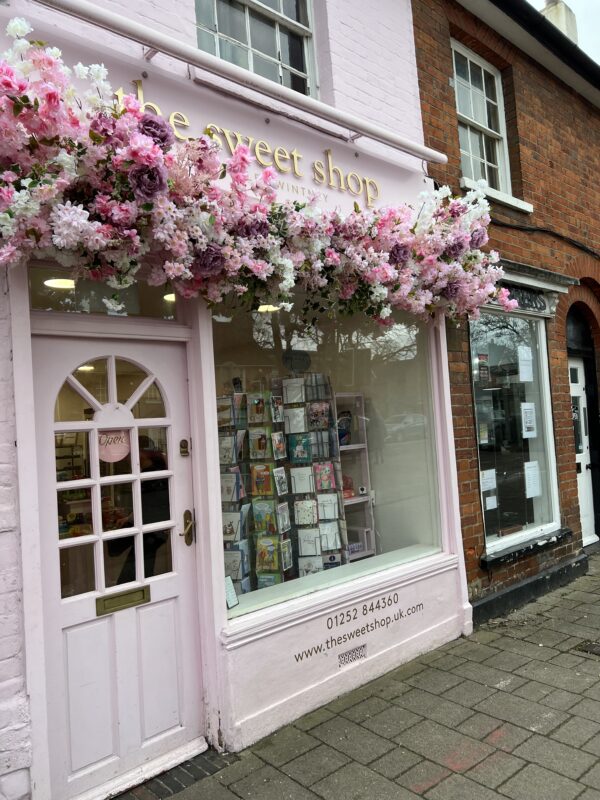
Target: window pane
pixel 205 14
pixel 274 4
pixel 461 66
pixel 72 455
pixel 233 53
pixel 292 49
pixel 129 377
pixel 117 506
pixel 463 99
pixel 155 501
pixel 206 42
pixel 296 9
pixel 477 143
pixel 478 170
pixel 492 116
pixel 231 18
pixel 93 376
pixel 150 404
pixel 466 166
pixel 262 35
pixel 114 450
pixel 479 110
pixel 491 150
pixel 492 177
pixel 71 406
pixel 476 76
pixel 510 391
pixel 463 137
pixel 268 69
pixel 77 573
pixel 157 553
pixel 119 560
pixel 75 513
pixel 153 449
pixel 490 85
pixel 295 82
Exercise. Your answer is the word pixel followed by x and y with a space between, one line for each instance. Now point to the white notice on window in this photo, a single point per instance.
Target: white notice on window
pixel 231 597
pixel 525 363
pixel 491 502
pixel 488 479
pixel 528 420
pixel 533 486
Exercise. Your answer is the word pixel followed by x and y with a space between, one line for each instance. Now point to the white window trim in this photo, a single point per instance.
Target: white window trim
pixel 501 136
pixel 522 538
pixel 499 197
pixel 279 19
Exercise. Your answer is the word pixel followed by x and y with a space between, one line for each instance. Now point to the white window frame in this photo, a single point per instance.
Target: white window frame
pixel 279 19
pixel 521 538
pixel 501 135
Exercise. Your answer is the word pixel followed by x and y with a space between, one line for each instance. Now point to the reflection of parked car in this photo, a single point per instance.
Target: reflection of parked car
pixel 405 427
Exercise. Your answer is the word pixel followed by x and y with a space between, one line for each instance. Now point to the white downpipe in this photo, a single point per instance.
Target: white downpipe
pixel 144 35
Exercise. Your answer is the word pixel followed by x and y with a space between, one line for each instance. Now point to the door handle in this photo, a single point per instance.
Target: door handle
pixel 188 527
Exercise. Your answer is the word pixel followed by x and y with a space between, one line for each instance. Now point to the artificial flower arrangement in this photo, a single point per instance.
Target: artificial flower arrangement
pixel 105 189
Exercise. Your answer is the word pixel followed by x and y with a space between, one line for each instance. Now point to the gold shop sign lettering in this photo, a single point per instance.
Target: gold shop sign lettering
pixel 286 160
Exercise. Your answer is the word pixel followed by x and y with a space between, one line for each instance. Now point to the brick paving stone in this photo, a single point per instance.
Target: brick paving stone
pixel 567 660
pixel 537 783
pixel 507 737
pixel 468 693
pixel 391 722
pixel 589 709
pixel 457 787
pixel 449 661
pixel 592 745
pixel 315 765
pixel 436 708
pixel 576 731
pixel 395 762
pixel 475 651
pixel 526 649
pixel 268 784
pixel 484 636
pixel 365 709
pixel 593 691
pixel 235 772
pixel 554 755
pixel 589 794
pixel 406 670
pixel 558 677
pixel 572 628
pixel 592 778
pixel 433 680
pixel 284 745
pixel 591 666
pixel 389 688
pixel 532 690
pixel 141 793
pixel 444 746
pixel 568 644
pixel 313 719
pixel 561 699
pixel 479 725
pixel 547 638
pixel 207 789
pixel 495 769
pixel 158 788
pixel 346 700
pixel 422 777
pixel 489 676
pixel 507 661
pixel 523 712
pixel 355 782
pixel 353 740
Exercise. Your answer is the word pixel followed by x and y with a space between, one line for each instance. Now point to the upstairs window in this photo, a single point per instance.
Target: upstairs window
pixel 272 38
pixel 481 122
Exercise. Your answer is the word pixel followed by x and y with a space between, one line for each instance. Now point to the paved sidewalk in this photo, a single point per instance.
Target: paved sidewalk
pixel 512 711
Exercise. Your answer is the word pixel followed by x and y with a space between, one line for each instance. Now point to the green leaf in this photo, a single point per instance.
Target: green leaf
pixel 17 108
pixel 147 206
pixel 356 207
pixel 96 137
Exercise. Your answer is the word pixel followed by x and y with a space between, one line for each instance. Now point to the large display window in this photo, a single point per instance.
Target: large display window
pixel 514 426
pixel 326 448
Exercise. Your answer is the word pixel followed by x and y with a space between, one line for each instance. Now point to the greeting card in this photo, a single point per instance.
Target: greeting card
pixel 328 506
pixel 233 564
pixel 293 390
pixel 300 449
pixel 284 522
pixel 319 442
pixel 317 386
pixel 305 512
pixel 287 558
pixel 227 449
pixel 302 480
pixel 324 476
pixel 276 408
pixel 260 475
pixel 240 441
pixel 278 442
pixel 318 415
pixel 260 443
pixel 225 416
pixel 295 420
pixel 309 542
pixel 330 535
pixel 309 565
pixel 257 408
pixel 267 554
pixel 280 478
pixel 235 524
pixel 266 579
pixel 232 488
pixel 264 515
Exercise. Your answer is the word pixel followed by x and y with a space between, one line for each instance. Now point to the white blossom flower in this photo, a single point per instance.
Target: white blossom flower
pixel 18 27
pixel 98 73
pixel 20 47
pixel 81 71
pixel 54 52
pixel 113 305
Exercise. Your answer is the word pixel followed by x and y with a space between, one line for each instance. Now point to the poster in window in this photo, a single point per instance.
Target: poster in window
pixel 525 363
pixel 533 485
pixel 488 479
pixel 529 428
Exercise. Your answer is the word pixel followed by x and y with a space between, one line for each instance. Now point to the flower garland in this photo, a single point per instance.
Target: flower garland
pixel 105 189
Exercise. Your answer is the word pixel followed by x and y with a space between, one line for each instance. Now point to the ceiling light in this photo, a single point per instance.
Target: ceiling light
pixel 169 298
pixel 60 283
pixel 268 309
pixel 221 318
pixel 86 368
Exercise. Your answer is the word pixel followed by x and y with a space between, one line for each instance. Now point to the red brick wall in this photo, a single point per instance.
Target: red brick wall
pixel 554 144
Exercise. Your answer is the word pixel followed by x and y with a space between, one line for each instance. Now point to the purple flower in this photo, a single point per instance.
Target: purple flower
pixel 209 262
pixel 452 290
pixel 103 125
pixel 479 237
pixel 157 129
pixel 399 254
pixel 253 227
pixel 147 182
pixel 456 248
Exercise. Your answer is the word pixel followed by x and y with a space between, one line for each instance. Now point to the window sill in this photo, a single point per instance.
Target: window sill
pixel 501 554
pixel 498 197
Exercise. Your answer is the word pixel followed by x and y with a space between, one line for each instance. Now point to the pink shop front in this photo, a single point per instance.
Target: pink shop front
pixel 236 518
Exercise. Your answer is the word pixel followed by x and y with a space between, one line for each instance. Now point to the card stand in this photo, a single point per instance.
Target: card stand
pixel 356 479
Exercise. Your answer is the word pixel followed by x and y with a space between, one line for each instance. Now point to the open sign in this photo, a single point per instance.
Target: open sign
pixel 113 445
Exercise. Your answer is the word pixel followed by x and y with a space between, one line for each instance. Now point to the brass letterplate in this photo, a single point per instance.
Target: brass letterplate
pixel 117 602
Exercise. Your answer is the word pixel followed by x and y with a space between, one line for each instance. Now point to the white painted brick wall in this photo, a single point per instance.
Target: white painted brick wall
pixel 366 65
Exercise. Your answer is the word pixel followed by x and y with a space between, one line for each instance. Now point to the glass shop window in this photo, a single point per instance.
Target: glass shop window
pixel 514 427
pixel 327 457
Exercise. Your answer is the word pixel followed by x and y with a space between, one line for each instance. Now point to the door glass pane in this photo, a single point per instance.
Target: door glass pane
pixel 157 553
pixel 574 374
pixel 262 35
pixel 461 66
pixel 153 449
pixel 74 513
pixel 150 404
pixel 576 411
pixel 129 376
pixel 93 375
pixel 231 19
pixel 155 501
pixel 71 407
pixel 117 506
pixel 114 450
pixel 295 82
pixel 268 69
pixel 77 573
pixel 292 49
pixel 119 560
pixel 72 455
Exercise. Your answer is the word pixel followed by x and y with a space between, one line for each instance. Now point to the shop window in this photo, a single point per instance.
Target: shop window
pixel 514 426
pixel 271 38
pixel 481 120
pixel 327 453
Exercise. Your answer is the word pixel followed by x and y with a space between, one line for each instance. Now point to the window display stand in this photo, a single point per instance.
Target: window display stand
pixel 357 492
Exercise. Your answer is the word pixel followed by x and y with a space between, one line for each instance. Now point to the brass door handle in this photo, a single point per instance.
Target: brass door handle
pixel 188 527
